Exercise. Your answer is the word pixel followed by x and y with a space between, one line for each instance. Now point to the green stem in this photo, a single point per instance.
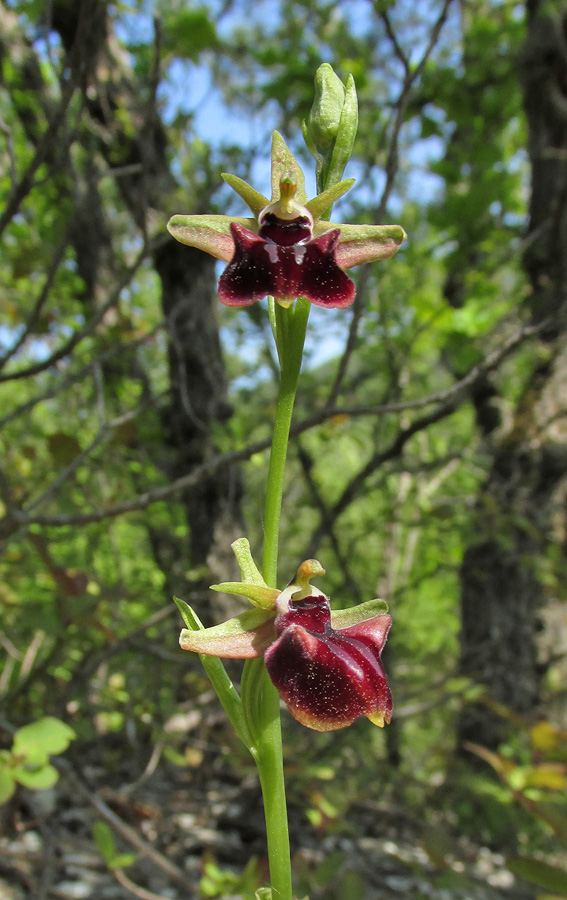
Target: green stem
pixel 290 326
pixel 271 772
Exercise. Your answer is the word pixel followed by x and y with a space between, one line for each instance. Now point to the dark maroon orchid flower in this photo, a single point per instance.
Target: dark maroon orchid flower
pixel 286 250
pixel 325 664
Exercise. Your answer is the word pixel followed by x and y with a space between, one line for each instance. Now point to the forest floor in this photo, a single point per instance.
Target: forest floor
pixel 177 820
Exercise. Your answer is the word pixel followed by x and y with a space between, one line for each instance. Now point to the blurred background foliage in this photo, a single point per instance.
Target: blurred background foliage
pixel 429 460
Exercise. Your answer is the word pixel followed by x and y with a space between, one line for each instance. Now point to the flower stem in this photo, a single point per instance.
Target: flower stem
pixel 290 326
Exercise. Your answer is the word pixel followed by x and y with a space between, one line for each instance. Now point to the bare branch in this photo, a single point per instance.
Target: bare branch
pixel 40 302
pixel 378 459
pixel 328 523
pixel 447 402
pixel 134 838
pixel 105 430
pixel 402 103
pixel 383 14
pixel 357 310
pixel 49 137
pixel 81 334
pixel 81 373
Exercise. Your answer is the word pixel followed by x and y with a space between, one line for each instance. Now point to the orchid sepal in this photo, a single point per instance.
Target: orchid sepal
pixel 359 244
pixel 246 636
pixel 252 584
pixel 285 164
pixel 208 233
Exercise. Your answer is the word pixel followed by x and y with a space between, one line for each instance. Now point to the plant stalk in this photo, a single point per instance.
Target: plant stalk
pixel 289 331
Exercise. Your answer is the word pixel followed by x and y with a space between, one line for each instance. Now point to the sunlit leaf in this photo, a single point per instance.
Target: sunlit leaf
pixel 540 873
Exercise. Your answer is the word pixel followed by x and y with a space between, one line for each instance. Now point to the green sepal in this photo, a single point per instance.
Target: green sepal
pixel 361 244
pixel 323 202
pixel 344 618
pixel 310 144
pixel 208 233
pixel 344 142
pixel 253 198
pixel 218 676
pixel 252 584
pixel 244 637
pixel 285 163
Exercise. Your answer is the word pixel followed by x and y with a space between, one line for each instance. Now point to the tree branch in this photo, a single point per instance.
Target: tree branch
pixel 447 402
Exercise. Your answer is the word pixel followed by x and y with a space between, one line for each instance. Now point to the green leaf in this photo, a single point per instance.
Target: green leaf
pixel 540 873
pixel 36 779
pixel 189 32
pixel 7 785
pixel 47 737
pixel 553 816
pixel 218 676
pixel 63 448
pixel 104 840
pixel 122 861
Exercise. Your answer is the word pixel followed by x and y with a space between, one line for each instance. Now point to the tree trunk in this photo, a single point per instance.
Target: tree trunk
pixel 198 401
pixel 130 134
pixel 522 507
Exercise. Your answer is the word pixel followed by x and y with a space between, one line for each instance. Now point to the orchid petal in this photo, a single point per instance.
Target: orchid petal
pixel 322 281
pixel 249 571
pixel 250 274
pixel 209 233
pixel 262 597
pixel 253 198
pixel 328 681
pixel 329 677
pixel 322 202
pixel 244 637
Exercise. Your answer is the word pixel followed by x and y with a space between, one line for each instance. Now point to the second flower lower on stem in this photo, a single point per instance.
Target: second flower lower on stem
pixel 326 665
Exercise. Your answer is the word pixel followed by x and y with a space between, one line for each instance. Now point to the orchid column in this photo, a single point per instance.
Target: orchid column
pixel 326 666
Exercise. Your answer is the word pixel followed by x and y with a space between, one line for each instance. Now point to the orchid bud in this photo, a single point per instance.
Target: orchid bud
pixel 325 115
pixel 331 127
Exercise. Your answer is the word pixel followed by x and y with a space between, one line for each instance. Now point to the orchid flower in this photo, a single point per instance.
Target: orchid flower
pixel 287 250
pixel 325 664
